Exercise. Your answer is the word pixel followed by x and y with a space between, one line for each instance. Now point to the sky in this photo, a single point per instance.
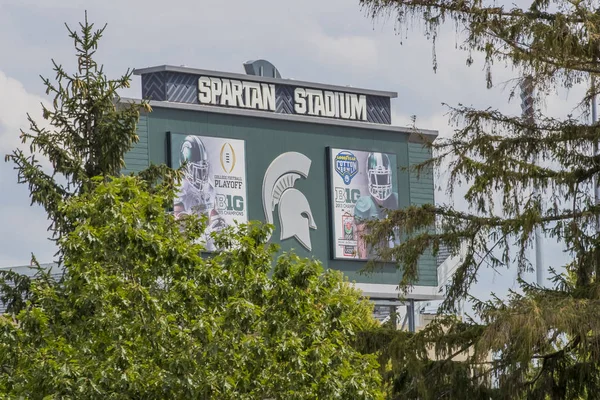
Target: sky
pixel 330 41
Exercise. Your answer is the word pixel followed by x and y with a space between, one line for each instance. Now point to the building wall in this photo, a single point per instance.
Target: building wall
pixel 138 158
pixel 266 139
pixel 422 192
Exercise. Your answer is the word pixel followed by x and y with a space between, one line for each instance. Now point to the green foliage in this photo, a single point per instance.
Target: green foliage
pixel 544 340
pixel 14 287
pixel 140 314
pixel 429 364
pixel 85 134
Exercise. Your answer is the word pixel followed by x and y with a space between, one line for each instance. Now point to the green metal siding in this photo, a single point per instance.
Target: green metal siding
pixel 137 158
pixel 266 139
pixel 422 192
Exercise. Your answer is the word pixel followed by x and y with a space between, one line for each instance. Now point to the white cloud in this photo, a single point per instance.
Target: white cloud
pixel 24 226
pixel 346 52
pixel 15 103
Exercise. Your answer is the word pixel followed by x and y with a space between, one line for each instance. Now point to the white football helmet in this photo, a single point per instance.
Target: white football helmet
pixel 194 153
pixel 379 172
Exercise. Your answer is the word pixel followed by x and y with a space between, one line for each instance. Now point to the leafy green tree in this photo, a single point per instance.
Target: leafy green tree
pixel 545 340
pixel 140 314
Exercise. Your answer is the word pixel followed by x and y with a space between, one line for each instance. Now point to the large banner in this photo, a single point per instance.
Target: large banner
pixel 363 186
pixel 214 183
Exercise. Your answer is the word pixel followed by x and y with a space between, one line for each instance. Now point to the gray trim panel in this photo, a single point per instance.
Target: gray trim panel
pixel 253 78
pixel 416 136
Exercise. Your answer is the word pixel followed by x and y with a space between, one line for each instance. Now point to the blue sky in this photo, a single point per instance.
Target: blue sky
pixel 324 41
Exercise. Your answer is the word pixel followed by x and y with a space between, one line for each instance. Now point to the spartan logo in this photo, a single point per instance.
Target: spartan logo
pixel 295 216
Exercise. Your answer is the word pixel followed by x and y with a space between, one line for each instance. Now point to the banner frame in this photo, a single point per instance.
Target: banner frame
pixel 331 199
pixel 170 163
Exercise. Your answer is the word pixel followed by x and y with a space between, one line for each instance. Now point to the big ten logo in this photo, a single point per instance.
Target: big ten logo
pixel 229 202
pixel 346 195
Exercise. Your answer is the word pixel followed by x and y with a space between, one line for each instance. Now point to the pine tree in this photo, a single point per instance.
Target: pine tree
pixel 85 133
pixel 545 341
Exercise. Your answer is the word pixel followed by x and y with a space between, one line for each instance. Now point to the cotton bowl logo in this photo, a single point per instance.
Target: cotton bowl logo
pixel 346 165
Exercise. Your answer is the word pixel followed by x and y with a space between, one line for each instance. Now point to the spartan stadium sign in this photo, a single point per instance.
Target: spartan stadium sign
pixel 263 96
pixel 330 104
pixel 231 92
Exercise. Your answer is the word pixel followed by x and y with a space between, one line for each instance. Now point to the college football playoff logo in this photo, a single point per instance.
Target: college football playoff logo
pixel 227 158
pixel 294 212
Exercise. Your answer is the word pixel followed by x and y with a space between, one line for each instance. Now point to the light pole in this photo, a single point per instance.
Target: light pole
pixel 527 110
pixel 596 180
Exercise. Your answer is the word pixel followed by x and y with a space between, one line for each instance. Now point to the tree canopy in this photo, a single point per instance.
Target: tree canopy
pixel 140 313
pixel 545 340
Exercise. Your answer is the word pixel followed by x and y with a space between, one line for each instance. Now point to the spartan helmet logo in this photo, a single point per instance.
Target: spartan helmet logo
pixel 295 216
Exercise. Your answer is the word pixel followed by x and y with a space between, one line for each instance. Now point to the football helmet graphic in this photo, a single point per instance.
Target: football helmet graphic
pixel 380 176
pixel 194 153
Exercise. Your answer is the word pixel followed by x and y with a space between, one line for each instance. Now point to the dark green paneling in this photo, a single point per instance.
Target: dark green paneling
pixel 422 192
pixel 265 140
pixel 421 185
pixel 137 159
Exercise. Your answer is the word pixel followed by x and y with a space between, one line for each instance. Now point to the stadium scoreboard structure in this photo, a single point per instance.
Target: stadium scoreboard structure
pixel 314 160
